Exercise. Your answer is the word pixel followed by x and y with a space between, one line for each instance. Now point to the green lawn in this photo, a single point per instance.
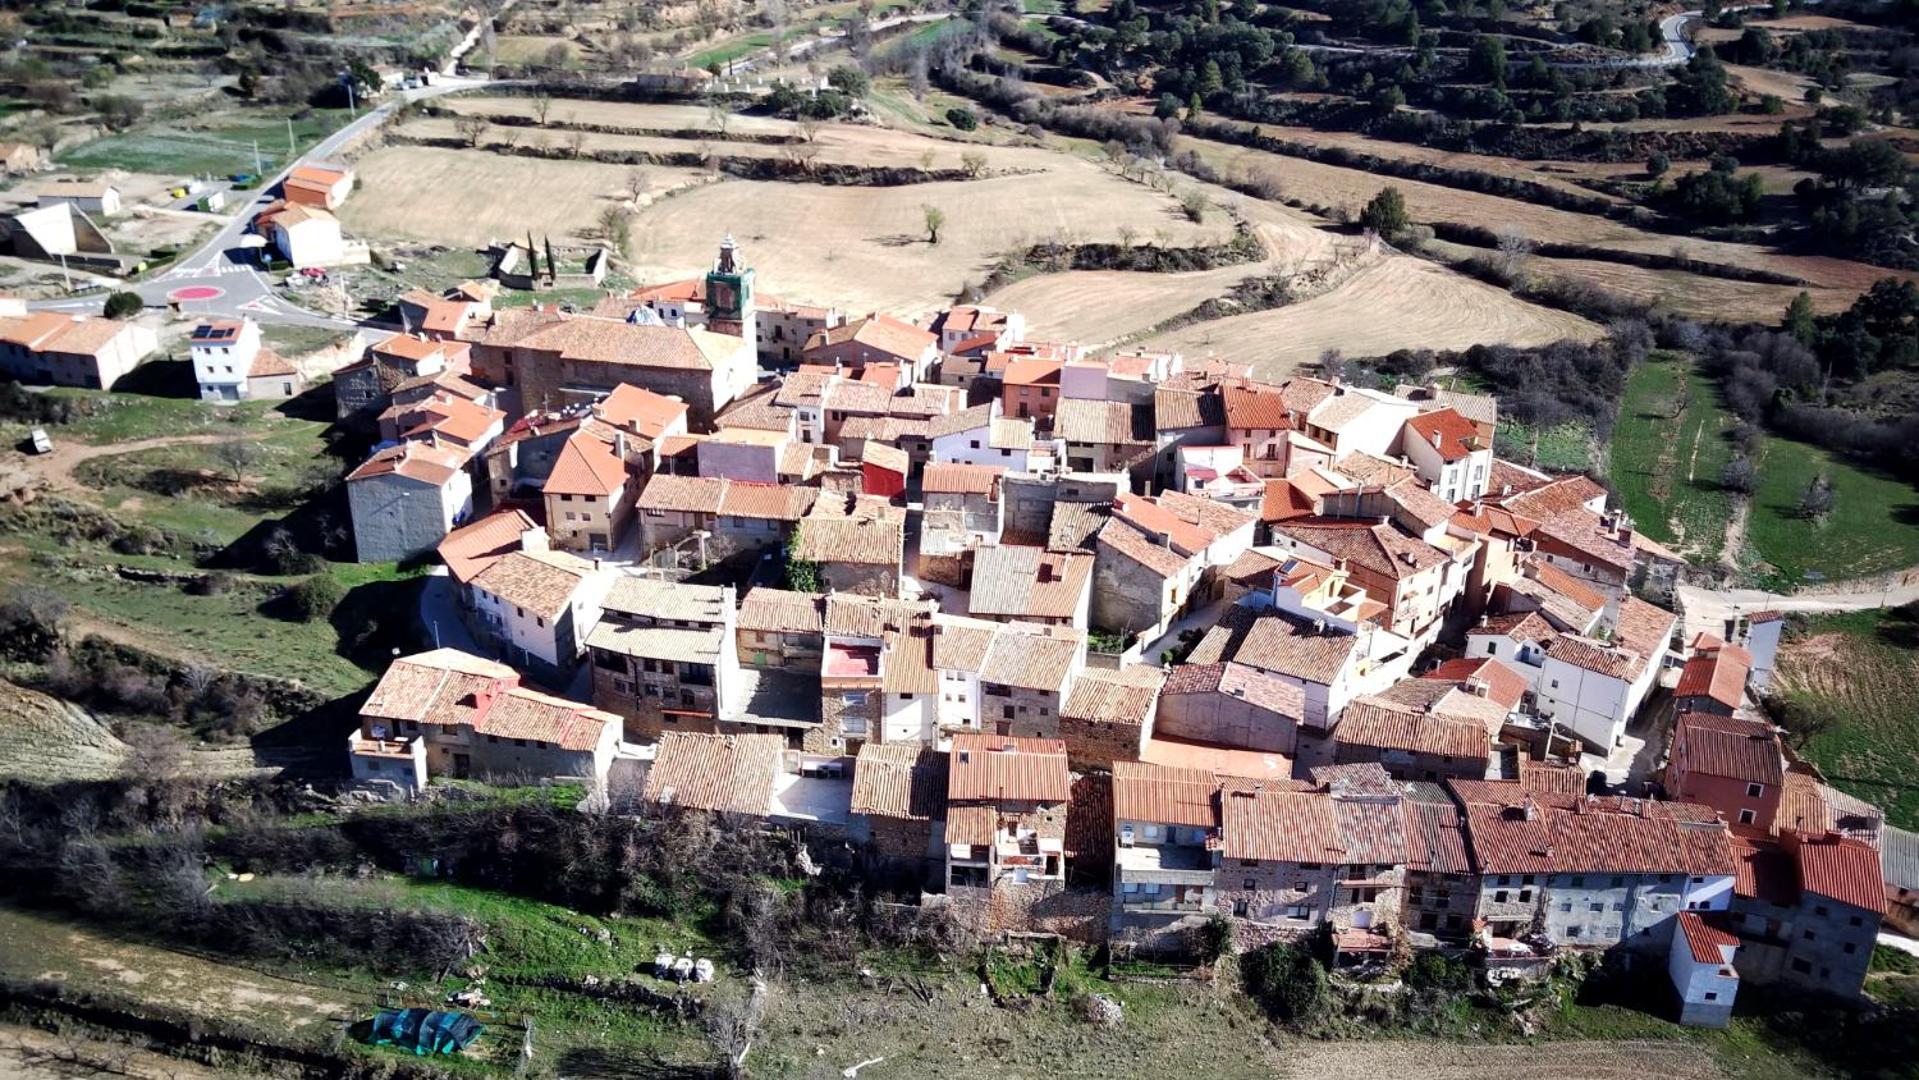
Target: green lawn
pixel 1873 527
pixel 219 149
pixel 1668 449
pixel 1565 448
pixel 724 54
pixel 1854 678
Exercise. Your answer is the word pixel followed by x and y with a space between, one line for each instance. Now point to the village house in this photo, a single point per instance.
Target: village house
pixel 875 339
pixel 860 551
pixel 970 322
pixel 1165 833
pixel 322 185
pixel 1231 704
pixel 554 360
pixel 1417 740
pixel 1591 871
pixel 1700 965
pixel 1153 555
pixel 471 548
pixel 50 348
pixel 589 496
pixel 1807 907
pixel 883 471
pixel 1031 585
pixel 1106 436
pixel 733 775
pixel 1594 688
pixel 1714 678
pixel 1329 666
pixel 1354 420
pixel 1451 455
pixel 444 419
pixel 1219 473
pixel 230 363
pixel 1029 387
pixel 665 656
pixel 1005 835
pixel 304 236
pixel 1416 581
pixel 1577 534
pixel 1109 714
pixel 1258 421
pixel 898 805
pixel 757 517
pixel 674 508
pixel 406 498
pixel 1024 678
pixel 362 388
pixel 539 606
pixel 962 510
pixel 1732 764
pixel 1441 891
pixel 448 713
pixel 782 629
pixel 980 436
pixel 858 631
pixel 447 317
pixel 1899 858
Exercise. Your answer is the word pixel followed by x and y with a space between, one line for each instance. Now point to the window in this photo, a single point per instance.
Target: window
pixel 1499 897
pixel 1850 948
pixel 1573 931
pixel 1712 995
pixel 1299 886
pixel 1747 817
pixel 1809 936
pixel 1803 967
pixel 1755 790
pixel 1555 684
pixel 1858 921
pixel 853 697
pixel 1566 907
pixel 1596 906
pixel 1618 882
pixel 1250 886
pixel 1821 910
pixel 1579 881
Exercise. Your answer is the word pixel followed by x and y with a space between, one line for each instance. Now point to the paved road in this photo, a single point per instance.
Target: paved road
pixel 226 274
pixel 1706 610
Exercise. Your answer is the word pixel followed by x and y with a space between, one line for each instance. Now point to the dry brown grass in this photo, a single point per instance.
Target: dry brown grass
pixel 1398 303
pixel 471 197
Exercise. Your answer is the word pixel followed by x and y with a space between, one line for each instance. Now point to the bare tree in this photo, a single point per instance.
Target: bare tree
pixel 808 128
pixel 575 142
pixel 542 105
pixel 613 229
pixel 156 754
pixel 717 115
pixel 471 128
pixel 731 1027
pixel 509 137
pixel 236 456
pixel 775 14
pixel 1515 248
pixel 635 185
pixel 973 162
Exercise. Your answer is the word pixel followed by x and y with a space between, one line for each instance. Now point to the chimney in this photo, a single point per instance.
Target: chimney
pixel 1435 440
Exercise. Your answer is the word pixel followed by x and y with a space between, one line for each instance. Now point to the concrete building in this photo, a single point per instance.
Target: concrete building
pixel 539 606
pixel 665 656
pixel 305 236
pixel 49 348
pixel 87 196
pixel 1594 688
pixel 406 498
pixel 321 185
pixel 1733 765
pixel 1700 965
pixel 1229 704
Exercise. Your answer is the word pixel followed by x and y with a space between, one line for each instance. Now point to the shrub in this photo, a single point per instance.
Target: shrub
pixel 1386 214
pixel 1288 982
pixel 962 118
pixel 316 597
pixel 124 305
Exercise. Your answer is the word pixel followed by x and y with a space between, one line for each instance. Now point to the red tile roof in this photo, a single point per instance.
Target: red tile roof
pixel 1160 795
pixel 1384 725
pixel 722 773
pixel 1718 673
pixel 993 768
pixel 1706 942
pixel 1262 407
pixel 1503 684
pixel 1285 501
pixel 642 410
pixel 1839 868
pixel 1279 826
pixel 1032 371
pixel 1517 831
pixel 900 780
pixel 953 478
pixel 1450 434
pixel 586 466
pixel 472 548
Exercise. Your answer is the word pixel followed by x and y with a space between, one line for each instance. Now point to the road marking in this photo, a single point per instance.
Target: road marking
pixel 197 292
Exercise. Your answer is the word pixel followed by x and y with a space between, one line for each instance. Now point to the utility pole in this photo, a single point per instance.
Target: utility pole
pixel 350 113
pixel 291 155
pixel 258 172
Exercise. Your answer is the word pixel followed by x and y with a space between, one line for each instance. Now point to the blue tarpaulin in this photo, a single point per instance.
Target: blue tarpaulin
pixel 424 1031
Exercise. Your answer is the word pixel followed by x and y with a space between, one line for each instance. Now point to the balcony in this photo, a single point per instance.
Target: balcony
pixel 1168 864
pixel 1136 904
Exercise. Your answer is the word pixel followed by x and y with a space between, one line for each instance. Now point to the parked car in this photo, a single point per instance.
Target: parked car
pixel 40 441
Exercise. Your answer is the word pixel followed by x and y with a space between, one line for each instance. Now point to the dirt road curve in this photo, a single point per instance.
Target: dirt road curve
pixel 58 467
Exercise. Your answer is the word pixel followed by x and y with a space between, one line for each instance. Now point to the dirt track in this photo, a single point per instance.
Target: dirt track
pixel 58 467
pixel 1545 1061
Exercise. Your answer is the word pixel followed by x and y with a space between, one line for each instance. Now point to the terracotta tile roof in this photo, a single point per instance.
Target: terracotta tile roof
pixel 1763 871
pixel 1840 868
pixel 585 466
pixel 1155 794
pixel 683 645
pixel 444 414
pixel 412 686
pixel 908 651
pixel 961 644
pixel 542 582
pixel 1719 674
pixel 1106 423
pixel 1555 498
pixel 1075 526
pixel 1516 831
pixel 1157 518
pixel 1257 407
pixel 1548 778
pixel 766 502
pixel 1254 568
pixel 996 768
pixel 1807 805
pixel 1182 409
pixel 979 416
pixel 414 459
pixel 853 396
pixel 756 411
pixel 1009 433
pixel 1418 502
pixel 906 781
pixel 1727 746
pixel 1285 501
pixel 1260 688
pixel 1336 413
pixel 1124 697
pixel 971 824
pixel 1271 769
pixel 1503 685
pixel 1209 514
pixel 868 540
pixel 1644 628
pixel 641 410
pixel 610 341
pixel 1451 435
pixel 782 611
pixel 881 456
pixel 1277 642
pixel 1032 371
pixel 721 773
pixel 1382 549
pixel 1583 532
pixel 1517 625
pixel 1582 597
pixel 1506 478
pixel 1435 838
pixel 1488 520
pixel 1706 943
pixel 683 494
pixel 1449 701
pixel 1027 582
pixel 667 601
pixel 1033 657
pixel 1371 830
pixel 1117 538
pixel 853 615
pixel 472 548
pixel 1596 656
pixel 881 333
pixel 1279 826
pixel 1380 724
pixel 527 714
pixel 267 363
pixel 954 478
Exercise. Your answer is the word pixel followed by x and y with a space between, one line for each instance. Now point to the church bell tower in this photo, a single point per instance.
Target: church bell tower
pixel 729 296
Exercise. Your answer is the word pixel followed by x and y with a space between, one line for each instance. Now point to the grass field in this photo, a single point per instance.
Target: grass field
pixel 1857 674
pixel 1873 528
pixel 221 148
pixel 1668 450
pixel 1563 448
